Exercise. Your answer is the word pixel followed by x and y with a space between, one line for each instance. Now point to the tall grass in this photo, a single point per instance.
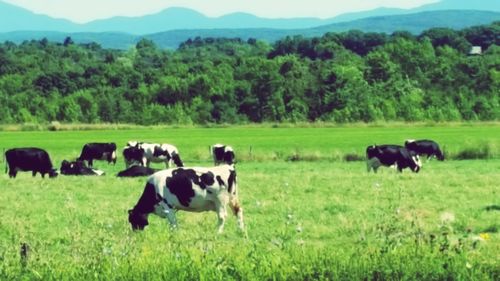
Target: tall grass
pixel 57 126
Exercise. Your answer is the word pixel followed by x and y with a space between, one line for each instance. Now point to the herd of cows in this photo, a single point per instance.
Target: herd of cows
pixel 194 189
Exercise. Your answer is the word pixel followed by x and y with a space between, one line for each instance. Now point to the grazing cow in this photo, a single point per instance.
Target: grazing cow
pixel 388 155
pixel 98 151
pixel 222 154
pixel 425 147
pixel 145 153
pixel 188 189
pixel 136 171
pixel 29 159
pixel 78 168
pixel 134 155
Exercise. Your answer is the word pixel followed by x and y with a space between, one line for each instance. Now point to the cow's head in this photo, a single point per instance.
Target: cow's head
pixel 112 157
pixel 72 168
pixel 53 173
pixel 134 153
pixel 417 164
pixel 177 160
pixel 229 157
pixel 137 220
pixel 440 155
pixel 65 167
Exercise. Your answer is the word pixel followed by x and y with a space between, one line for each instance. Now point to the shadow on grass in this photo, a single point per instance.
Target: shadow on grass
pixel 492 208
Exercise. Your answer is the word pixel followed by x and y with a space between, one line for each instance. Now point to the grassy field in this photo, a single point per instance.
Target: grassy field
pixel 318 219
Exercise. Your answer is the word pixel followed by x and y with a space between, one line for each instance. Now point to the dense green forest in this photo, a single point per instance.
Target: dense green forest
pixel 339 77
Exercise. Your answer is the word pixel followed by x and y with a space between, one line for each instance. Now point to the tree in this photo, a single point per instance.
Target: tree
pixel 68 41
pixel 440 37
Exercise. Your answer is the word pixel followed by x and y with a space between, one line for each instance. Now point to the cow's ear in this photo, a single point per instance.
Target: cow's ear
pixel 208 178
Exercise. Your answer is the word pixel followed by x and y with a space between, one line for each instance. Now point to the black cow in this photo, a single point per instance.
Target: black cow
pixel 425 147
pixel 78 168
pixel 136 171
pixel 189 189
pixel 222 154
pixel 388 155
pixel 98 151
pixel 29 159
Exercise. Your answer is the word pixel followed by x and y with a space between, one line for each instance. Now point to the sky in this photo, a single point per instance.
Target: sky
pixel 82 11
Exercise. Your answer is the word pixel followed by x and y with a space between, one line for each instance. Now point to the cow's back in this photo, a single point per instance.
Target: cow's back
pixel 427 147
pixel 136 171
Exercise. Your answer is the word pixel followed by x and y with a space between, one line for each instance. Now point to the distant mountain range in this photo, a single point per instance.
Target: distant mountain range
pixel 172 26
pixel 414 23
pixel 13 18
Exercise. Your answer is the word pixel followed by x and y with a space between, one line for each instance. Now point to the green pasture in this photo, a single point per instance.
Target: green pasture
pixel 318 219
pixel 259 143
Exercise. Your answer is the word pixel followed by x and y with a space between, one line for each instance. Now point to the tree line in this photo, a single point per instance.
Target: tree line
pixel 338 77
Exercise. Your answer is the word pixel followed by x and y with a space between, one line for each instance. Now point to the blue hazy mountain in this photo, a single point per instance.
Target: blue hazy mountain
pixel 182 18
pixel 415 23
pixel 13 18
pixel 478 5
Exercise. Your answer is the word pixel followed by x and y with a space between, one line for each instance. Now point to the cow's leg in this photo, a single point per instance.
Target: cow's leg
pixel 368 166
pixel 164 211
pixel 372 163
pixel 399 167
pixel 220 208
pixel 33 173
pixel 170 213
pixel 12 172
pixel 91 162
pixel 238 212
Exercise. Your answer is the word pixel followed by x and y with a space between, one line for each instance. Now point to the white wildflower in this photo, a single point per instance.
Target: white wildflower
pixel 447 217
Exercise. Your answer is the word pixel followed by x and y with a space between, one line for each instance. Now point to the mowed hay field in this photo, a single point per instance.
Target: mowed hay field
pixel 310 215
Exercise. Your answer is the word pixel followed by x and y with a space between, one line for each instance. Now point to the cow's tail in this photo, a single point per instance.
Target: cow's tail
pixel 440 154
pixel 177 159
pixel 5 160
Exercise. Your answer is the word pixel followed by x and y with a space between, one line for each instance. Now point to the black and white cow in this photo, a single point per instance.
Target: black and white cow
pixel 425 147
pixel 188 189
pixel 389 155
pixel 78 168
pixel 29 159
pixel 136 171
pixel 133 155
pixel 98 151
pixel 222 154
pixel 145 153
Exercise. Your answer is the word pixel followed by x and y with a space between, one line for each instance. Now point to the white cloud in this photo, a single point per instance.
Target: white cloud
pixel 87 10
